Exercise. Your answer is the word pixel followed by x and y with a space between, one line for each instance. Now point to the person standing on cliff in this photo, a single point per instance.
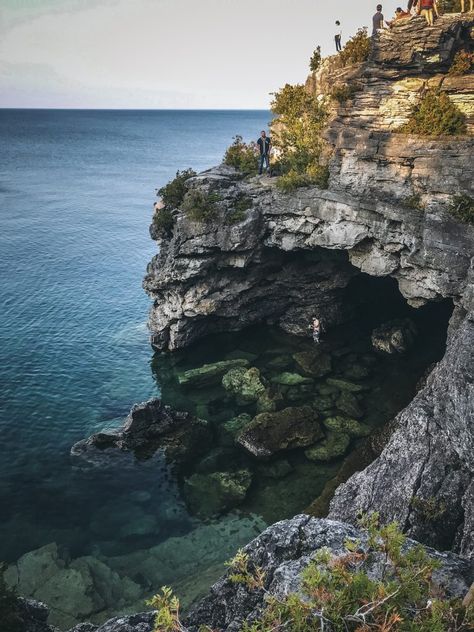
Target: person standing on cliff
pixel 264 145
pixel 316 329
pixel 378 20
pixel 463 6
pixel 428 8
pixel 338 37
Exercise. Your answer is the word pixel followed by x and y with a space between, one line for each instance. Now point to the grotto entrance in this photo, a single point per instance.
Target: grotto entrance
pixel 291 420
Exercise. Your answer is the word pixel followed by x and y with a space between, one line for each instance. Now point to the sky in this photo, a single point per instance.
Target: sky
pixel 164 53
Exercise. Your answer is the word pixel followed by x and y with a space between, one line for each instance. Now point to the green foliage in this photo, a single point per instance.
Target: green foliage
pixel 414 202
pixel 9 616
pixel 462 208
pixel 238 213
pixel 199 206
pixel 242 156
pixel 314 175
pixel 463 63
pixel 340 595
pixel 163 222
pixel 300 119
pixel 167 611
pixel 242 571
pixel 173 193
pixel 357 49
pixel 315 60
pixel 435 115
pixel 343 93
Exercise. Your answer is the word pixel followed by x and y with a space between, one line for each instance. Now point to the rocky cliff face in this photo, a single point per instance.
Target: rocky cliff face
pixel 294 254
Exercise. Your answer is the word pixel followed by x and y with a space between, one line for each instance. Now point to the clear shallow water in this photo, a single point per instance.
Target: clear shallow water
pixel 76 193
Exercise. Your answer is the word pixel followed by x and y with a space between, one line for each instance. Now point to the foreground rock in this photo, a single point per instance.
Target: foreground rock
pixel 283 551
pixel 423 478
pixel 269 433
pixel 149 426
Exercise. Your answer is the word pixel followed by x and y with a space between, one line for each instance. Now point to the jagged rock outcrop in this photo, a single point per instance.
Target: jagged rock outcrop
pixel 423 478
pixel 149 426
pixel 283 551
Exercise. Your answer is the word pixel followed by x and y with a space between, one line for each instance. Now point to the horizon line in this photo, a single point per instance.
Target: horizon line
pixel 78 109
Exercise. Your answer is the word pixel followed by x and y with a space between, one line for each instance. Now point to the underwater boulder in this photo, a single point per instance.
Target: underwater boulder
pixel 269 433
pixel 229 430
pixel 291 379
pixel 244 383
pixel 208 374
pixel 345 385
pixel 334 446
pixel 209 495
pixel 314 363
pixel 396 336
pixel 348 403
pixel 348 426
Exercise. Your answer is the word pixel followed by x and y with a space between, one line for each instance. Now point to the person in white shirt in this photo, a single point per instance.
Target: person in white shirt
pixel 338 37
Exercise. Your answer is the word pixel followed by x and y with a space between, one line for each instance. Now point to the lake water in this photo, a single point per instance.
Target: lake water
pixel 76 191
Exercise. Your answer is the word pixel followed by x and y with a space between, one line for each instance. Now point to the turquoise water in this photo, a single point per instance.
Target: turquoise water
pixel 76 191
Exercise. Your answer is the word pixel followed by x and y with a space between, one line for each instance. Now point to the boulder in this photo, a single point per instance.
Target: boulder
pixel 396 336
pixel 348 403
pixel 348 426
pixel 269 433
pixel 345 385
pixel 149 426
pixel 314 363
pixel 209 374
pixel 291 379
pixel 229 430
pixel 245 384
pixel 209 495
pixel 334 446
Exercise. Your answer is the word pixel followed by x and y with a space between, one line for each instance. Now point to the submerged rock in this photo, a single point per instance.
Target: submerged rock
pixel 209 374
pixel 348 426
pixel 345 385
pixel 397 336
pixel 244 383
pixel 149 426
pixel 209 495
pixel 291 379
pixel 229 430
pixel 349 404
pixel 334 446
pixel 314 363
pixel 269 433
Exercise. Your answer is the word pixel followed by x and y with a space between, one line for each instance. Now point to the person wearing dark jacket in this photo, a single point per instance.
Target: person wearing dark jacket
pixel 264 145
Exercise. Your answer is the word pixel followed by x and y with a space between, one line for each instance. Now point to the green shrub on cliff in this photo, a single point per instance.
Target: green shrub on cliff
pixel 315 60
pixel 173 193
pixel 343 93
pixel 163 222
pixel 242 156
pixel 238 212
pixel 296 130
pixel 200 206
pixel 340 596
pixel 9 616
pixel 463 63
pixel 462 208
pixel 357 49
pixel 435 115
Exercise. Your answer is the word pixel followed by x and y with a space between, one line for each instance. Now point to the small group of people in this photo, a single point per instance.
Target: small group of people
pixel 426 8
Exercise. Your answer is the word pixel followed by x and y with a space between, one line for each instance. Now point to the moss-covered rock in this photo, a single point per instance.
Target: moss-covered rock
pixel 229 430
pixel 209 373
pixel 313 363
pixel 244 383
pixel 291 379
pixel 323 403
pixel 334 446
pixel 345 385
pixel 348 426
pixel 269 433
pixel 348 403
pixel 209 495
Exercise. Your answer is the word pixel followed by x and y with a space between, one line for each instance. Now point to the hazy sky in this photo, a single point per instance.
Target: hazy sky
pixel 163 53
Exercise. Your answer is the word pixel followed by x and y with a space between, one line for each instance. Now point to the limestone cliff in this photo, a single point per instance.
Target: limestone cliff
pixel 293 255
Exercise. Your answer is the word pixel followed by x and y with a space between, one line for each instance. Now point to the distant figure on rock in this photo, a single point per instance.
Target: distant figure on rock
pixel 338 36
pixel 428 8
pixel 400 14
pixel 378 20
pixel 264 145
pixel 316 328
pixel 463 6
